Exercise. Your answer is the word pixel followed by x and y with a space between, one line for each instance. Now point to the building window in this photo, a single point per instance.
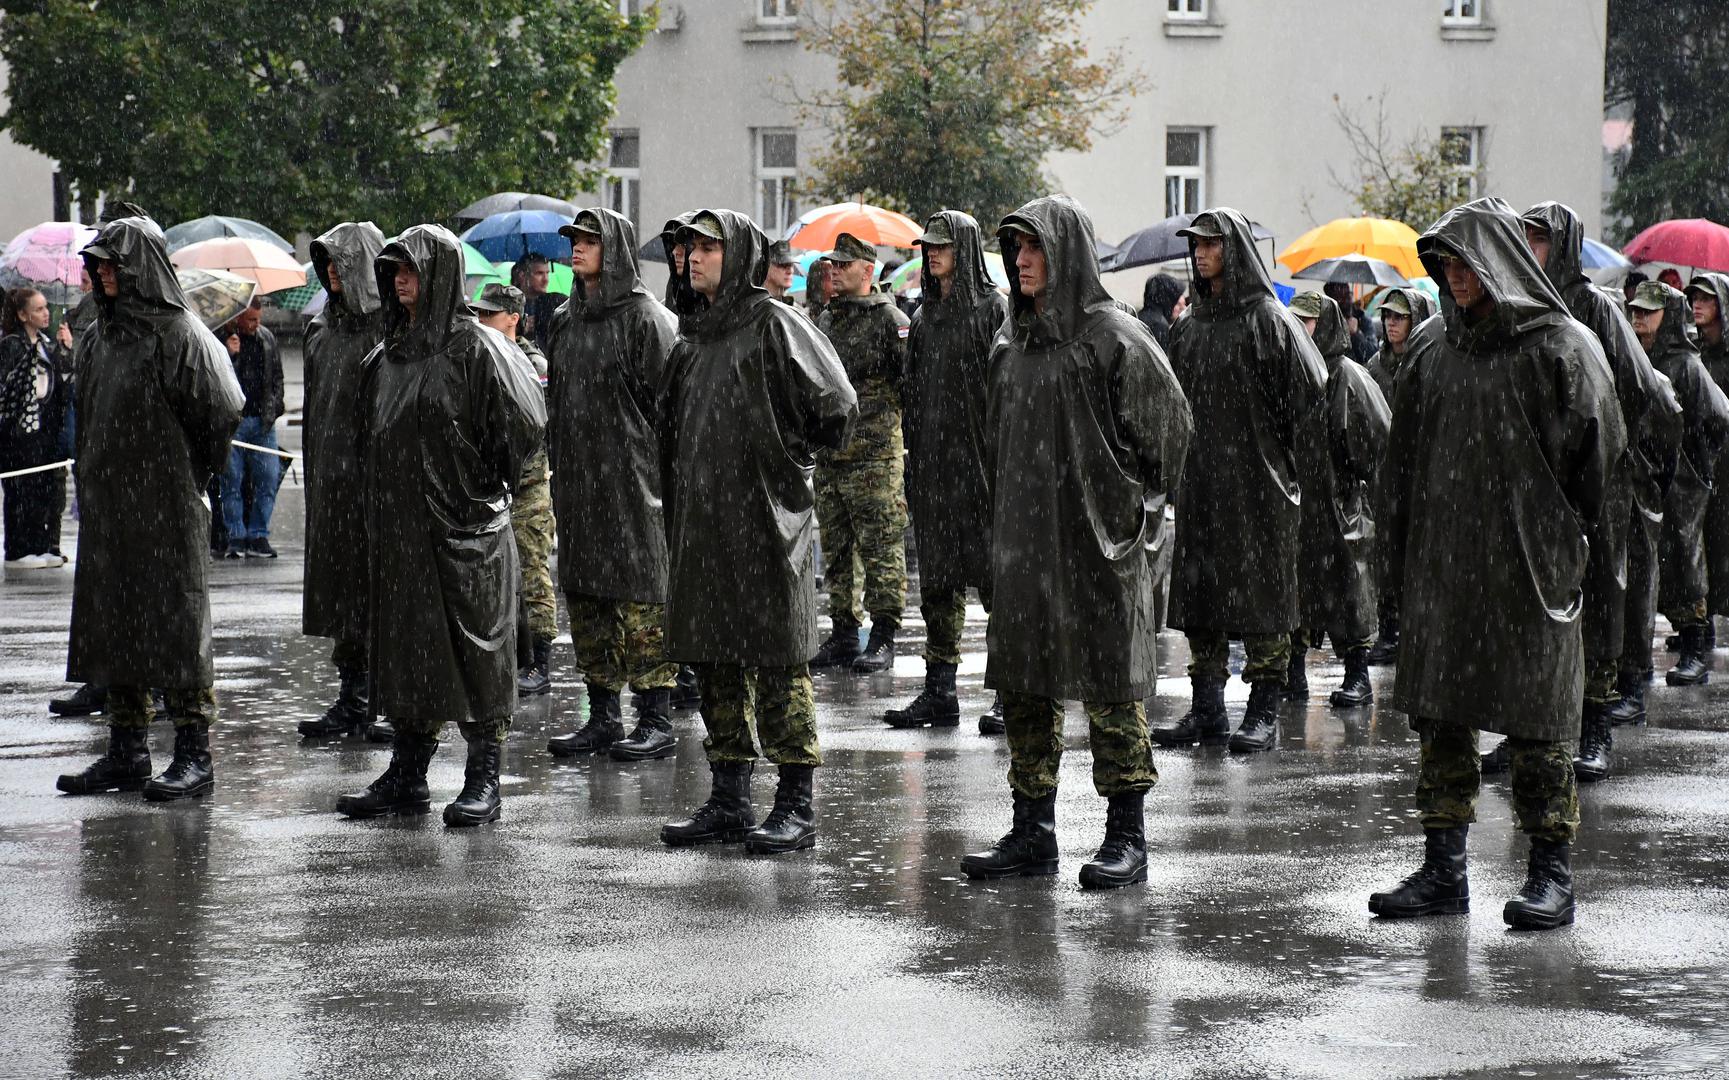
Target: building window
pixel 776 12
pixel 630 9
pixel 1186 10
pixel 1462 13
pixel 776 170
pixel 624 176
pixel 1462 148
pixel 1185 170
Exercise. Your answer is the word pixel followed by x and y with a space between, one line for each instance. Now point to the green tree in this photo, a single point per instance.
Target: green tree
pixel 1665 65
pixel 307 112
pixel 1414 179
pixel 956 103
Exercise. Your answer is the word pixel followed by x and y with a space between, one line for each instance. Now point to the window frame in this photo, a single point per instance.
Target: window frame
pixel 785 177
pixel 1469 173
pixel 622 191
pixel 786 13
pixel 1451 16
pixel 1186 11
pixel 1182 173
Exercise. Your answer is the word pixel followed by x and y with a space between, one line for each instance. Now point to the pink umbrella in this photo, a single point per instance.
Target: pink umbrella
pixel 1695 242
pixel 254 260
pixel 48 253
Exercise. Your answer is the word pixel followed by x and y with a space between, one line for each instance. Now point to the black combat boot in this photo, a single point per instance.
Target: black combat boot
pixel 1596 739
pixel 791 825
pixel 479 802
pixel 936 705
pixel 1029 849
pixel 381 730
pixel 1439 887
pixel 190 774
pixel 1204 723
pixel 1631 708
pixel 1498 761
pixel 1260 728
pixel 841 648
pixel 401 788
pixel 87 700
pixel 1693 666
pixel 1355 692
pixel 123 766
pixel 687 694
pixel 653 738
pixel 536 678
pixel 602 730
pixel 1386 650
pixel 1297 674
pixel 347 714
pixel 1546 901
pixel 991 721
pixel 879 653
pixel 725 818
pixel 1122 858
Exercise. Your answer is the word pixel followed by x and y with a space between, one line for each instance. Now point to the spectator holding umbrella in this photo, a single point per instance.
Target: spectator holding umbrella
pixel 1159 297
pixel 258 366
pixel 533 274
pixel 35 403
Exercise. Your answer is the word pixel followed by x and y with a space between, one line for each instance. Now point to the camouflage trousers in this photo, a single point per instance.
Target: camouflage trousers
pixel 862 510
pixel 131 707
pixel 945 616
pixel 1545 794
pixel 1269 656
pixel 775 704
pixel 1689 614
pixel 531 521
pixel 1122 753
pixel 471 729
pixel 620 643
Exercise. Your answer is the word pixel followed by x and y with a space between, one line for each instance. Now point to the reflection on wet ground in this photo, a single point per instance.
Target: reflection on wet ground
pixel 256 934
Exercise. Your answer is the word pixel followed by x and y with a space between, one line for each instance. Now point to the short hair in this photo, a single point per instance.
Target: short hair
pixel 534 258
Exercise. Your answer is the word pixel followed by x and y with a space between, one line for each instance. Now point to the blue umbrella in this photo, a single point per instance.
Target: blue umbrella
pixel 509 236
pixel 1600 256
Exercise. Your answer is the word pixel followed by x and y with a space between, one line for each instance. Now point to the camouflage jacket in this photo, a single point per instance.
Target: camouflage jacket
pixel 870 334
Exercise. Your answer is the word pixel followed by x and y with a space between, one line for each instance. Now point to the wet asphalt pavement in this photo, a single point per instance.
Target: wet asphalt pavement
pixel 256 934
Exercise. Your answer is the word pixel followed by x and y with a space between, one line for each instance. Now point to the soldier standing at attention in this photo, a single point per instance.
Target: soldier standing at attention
pixel 781 268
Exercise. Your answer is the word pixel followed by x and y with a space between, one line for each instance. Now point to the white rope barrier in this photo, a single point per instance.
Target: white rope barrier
pixel 35 469
pixel 266 450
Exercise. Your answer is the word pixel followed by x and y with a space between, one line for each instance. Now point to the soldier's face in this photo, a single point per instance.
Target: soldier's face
pixel 852 278
pixel 780 276
pixel 1705 315
pixel 504 322
pixel 406 284
pixel 1210 257
pixel 706 256
pixel 335 278
pixel 678 251
pixel 1310 325
pixel 1032 270
pixel 1646 323
pixel 109 279
pixel 1539 241
pixel 585 253
pixel 1398 328
pixel 1464 284
pixel 939 261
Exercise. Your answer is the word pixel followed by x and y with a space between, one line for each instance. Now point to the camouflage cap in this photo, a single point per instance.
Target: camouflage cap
pixel 937 231
pixel 705 224
pixel 780 254
pixel 1701 283
pixel 1204 225
pixel 1651 296
pixel 1397 303
pixel 849 248
pixel 1307 305
pixel 497 297
pixel 587 221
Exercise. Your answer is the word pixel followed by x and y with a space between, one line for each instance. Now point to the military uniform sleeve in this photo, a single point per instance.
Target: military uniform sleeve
pixel 199 386
pixel 1151 410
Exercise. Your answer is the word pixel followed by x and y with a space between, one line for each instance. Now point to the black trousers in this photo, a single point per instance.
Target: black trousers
pixel 34 505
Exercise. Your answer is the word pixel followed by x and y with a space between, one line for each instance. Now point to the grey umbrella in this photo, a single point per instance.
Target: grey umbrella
pixel 505 201
pixel 1157 243
pixel 1353 269
pixel 212 226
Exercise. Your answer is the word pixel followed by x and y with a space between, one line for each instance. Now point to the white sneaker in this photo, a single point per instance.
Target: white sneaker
pixel 28 562
pixel 53 561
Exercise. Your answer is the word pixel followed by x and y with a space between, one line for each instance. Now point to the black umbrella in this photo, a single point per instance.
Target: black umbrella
pixel 1159 243
pixel 1353 269
pixel 506 201
pixel 652 251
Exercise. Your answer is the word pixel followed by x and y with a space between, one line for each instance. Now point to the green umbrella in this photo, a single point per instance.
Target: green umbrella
pixel 297 298
pixel 559 283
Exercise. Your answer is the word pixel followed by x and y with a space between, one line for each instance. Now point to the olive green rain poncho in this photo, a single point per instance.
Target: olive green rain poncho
pixel 1504 441
pixel 752 391
pixel 1716 360
pixel 943 403
pixel 1342 451
pixel 1385 364
pixel 1085 421
pixel 668 241
pixel 337 343
pixel 1682 577
pixel 1252 378
pixel 1649 412
pixel 452 414
pixel 157 405
pixel 608 354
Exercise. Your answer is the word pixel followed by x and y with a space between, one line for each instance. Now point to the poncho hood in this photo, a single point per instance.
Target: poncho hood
pixel 351 247
pixel 1074 293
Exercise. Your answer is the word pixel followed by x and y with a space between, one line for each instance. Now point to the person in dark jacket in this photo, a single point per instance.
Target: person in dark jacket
pixel 1505 438
pixel 250 482
pixel 1357 329
pixel 752 391
pixel 1710 296
pixel 1085 421
pixel 1623 542
pixel 610 344
pixel 35 422
pixel 948 487
pixel 1159 296
pixel 451 411
pixel 1663 319
pixel 1253 379
pixel 333 603
pixel 157 405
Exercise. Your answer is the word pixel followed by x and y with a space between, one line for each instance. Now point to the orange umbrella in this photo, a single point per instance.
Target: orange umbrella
pixel 818 230
pixel 1392 242
pixel 253 260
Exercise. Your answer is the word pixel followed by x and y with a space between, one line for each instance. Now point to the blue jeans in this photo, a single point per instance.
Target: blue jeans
pixel 260 469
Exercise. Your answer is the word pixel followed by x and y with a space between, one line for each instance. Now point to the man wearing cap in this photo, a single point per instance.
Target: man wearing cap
pixel 158 403
pixel 500 307
pixel 752 392
pixel 1710 296
pixel 1253 379
pixel 1401 312
pixel 1505 438
pixel 860 503
pixel 610 344
pixel 1663 319
pixel 452 414
pixel 948 483
pixel 781 267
